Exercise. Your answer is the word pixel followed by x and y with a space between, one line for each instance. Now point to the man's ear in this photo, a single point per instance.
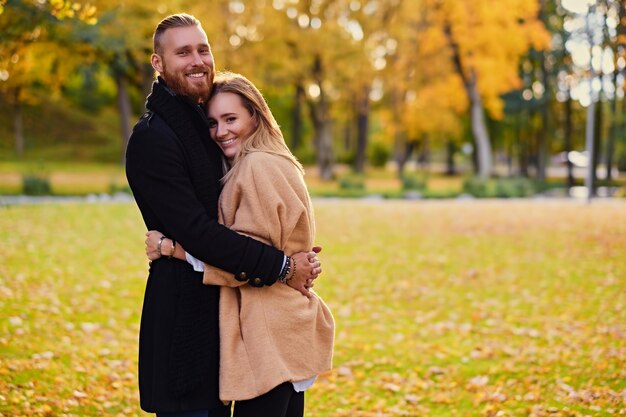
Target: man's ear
pixel 157 63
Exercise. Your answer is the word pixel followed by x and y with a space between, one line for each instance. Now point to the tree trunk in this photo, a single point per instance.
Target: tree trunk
pixel 542 133
pixel 542 137
pixel 531 144
pixel 590 125
pixel 323 142
pixel 479 130
pixel 477 111
pixel 522 152
pixel 568 141
pixel 322 125
pixel 610 146
pixel 450 165
pixel 597 141
pixel 423 157
pixel 296 130
pixel 18 122
pixel 362 127
pixel 589 142
pixel 347 136
pixel 123 106
pixel 400 143
pixel 404 156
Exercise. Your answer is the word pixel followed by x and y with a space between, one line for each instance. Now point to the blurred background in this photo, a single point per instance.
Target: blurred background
pixel 423 98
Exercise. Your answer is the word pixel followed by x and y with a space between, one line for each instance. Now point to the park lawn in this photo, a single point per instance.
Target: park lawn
pixel 88 178
pixel 443 308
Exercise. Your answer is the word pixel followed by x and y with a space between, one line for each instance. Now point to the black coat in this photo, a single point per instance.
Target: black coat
pixel 173 169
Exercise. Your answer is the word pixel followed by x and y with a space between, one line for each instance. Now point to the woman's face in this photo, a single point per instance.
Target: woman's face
pixel 230 123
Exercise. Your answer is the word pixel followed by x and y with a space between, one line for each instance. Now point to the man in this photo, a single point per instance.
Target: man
pixel 173 169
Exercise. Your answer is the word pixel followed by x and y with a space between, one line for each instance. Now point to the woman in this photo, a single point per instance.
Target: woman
pixel 273 341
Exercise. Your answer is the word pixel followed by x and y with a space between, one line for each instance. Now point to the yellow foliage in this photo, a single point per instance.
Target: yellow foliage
pixel 435 108
pixel 491 38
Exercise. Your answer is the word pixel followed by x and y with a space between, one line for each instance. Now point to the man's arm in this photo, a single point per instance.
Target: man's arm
pixel 157 245
pixel 156 172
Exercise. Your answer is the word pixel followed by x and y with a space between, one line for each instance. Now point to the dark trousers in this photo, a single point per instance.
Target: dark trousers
pixel 282 401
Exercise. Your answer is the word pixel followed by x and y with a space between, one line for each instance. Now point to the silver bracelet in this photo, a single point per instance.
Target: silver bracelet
pixel 159 245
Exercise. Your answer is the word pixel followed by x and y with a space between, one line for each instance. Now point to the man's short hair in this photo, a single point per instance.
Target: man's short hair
pixel 173 21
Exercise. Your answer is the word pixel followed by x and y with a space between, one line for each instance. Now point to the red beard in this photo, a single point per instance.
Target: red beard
pixel 179 84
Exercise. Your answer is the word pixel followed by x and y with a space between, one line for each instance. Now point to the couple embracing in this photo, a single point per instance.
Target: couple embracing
pixel 229 313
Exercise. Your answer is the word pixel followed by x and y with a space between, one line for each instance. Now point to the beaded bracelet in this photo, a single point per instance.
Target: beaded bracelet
pixel 286 270
pixel 293 273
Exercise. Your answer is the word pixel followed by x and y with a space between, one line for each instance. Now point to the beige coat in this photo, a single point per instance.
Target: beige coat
pixel 272 334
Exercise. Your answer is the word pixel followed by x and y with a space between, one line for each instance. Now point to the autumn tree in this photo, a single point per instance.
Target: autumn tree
pixel 289 45
pixel 486 40
pixel 33 52
pixel 125 54
pixel 422 89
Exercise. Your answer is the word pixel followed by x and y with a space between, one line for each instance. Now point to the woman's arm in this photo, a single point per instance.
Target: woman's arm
pixel 158 174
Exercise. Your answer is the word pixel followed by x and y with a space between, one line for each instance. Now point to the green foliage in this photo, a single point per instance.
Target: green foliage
pixel 36 180
pixel 512 187
pixel 475 186
pixel 351 181
pixel 56 130
pixel 115 188
pixel 33 184
pixel 378 154
pixel 414 181
pixel 346 156
pixel 305 154
pixel 90 88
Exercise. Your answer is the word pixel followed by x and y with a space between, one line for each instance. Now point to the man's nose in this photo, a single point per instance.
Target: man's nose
pixel 197 58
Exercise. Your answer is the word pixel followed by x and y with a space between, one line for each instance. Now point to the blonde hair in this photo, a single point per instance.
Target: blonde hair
pixel 267 136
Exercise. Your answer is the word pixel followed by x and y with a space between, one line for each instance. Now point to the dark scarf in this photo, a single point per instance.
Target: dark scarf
pixel 186 118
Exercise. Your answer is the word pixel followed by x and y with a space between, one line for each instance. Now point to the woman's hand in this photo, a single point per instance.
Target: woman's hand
pixel 307 269
pixel 152 243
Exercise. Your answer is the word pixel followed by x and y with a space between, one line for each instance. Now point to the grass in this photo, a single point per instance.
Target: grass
pixel 474 308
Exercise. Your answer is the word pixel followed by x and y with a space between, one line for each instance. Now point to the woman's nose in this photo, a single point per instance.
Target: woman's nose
pixel 220 130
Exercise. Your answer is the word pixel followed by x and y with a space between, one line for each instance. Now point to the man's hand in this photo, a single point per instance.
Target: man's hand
pixel 152 242
pixel 308 268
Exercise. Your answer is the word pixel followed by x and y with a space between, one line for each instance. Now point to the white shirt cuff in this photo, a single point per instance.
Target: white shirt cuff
pixel 197 264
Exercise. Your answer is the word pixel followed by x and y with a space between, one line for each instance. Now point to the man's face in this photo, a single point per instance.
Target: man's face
pixel 185 62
